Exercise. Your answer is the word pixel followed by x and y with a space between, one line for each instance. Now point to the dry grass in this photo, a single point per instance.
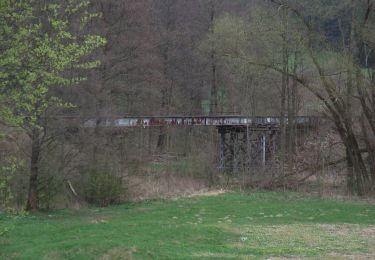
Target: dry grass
pixel 163 186
pixel 338 241
pixel 119 253
pixel 207 193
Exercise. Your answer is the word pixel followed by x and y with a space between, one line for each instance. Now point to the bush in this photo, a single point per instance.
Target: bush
pixel 9 169
pixel 103 187
pixel 3 229
pixel 50 185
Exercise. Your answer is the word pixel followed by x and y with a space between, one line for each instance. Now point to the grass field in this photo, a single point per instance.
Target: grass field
pixel 257 225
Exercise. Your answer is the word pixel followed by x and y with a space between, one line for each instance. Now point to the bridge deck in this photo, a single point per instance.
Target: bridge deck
pixel 235 121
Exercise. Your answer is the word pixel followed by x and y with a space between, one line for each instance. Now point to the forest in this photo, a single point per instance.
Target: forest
pixel 64 62
pixel 187 129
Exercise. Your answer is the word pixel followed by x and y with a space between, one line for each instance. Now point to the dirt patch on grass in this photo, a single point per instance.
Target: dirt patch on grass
pixel 369 232
pixel 218 255
pixel 302 240
pixel 340 230
pixel 336 256
pixel 285 258
pixel 98 221
pixel 119 253
pixel 206 193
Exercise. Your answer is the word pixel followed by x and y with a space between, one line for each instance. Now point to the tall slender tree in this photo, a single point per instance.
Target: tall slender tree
pixel 39 45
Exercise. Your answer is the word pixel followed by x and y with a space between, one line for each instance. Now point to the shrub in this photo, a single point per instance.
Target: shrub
pixel 10 167
pixel 50 186
pixel 103 186
pixel 3 229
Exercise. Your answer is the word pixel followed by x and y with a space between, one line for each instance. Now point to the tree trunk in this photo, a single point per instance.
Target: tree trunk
pixel 214 95
pixel 357 172
pixel 292 112
pixel 284 93
pixel 166 92
pixel 33 197
pixel 161 139
pixel 370 160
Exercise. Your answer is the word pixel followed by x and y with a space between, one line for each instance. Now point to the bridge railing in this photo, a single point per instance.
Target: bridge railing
pixel 195 121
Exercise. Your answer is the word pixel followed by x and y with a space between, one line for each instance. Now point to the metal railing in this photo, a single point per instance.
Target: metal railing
pixel 154 121
pixel 195 121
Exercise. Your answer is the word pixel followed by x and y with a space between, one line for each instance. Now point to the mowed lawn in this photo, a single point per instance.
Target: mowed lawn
pixel 260 225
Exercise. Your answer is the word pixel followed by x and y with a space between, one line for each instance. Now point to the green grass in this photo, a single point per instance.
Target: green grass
pixel 229 226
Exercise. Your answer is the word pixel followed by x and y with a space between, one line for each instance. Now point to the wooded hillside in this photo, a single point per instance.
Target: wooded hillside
pixel 63 62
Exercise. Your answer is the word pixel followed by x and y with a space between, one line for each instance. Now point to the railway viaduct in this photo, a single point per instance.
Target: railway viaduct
pixel 253 141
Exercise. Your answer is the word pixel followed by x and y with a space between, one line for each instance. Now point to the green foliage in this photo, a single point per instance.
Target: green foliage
pixel 38 48
pixel 4 229
pixel 50 186
pixel 103 186
pixel 229 226
pixel 7 222
pixel 9 168
pixel 44 46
